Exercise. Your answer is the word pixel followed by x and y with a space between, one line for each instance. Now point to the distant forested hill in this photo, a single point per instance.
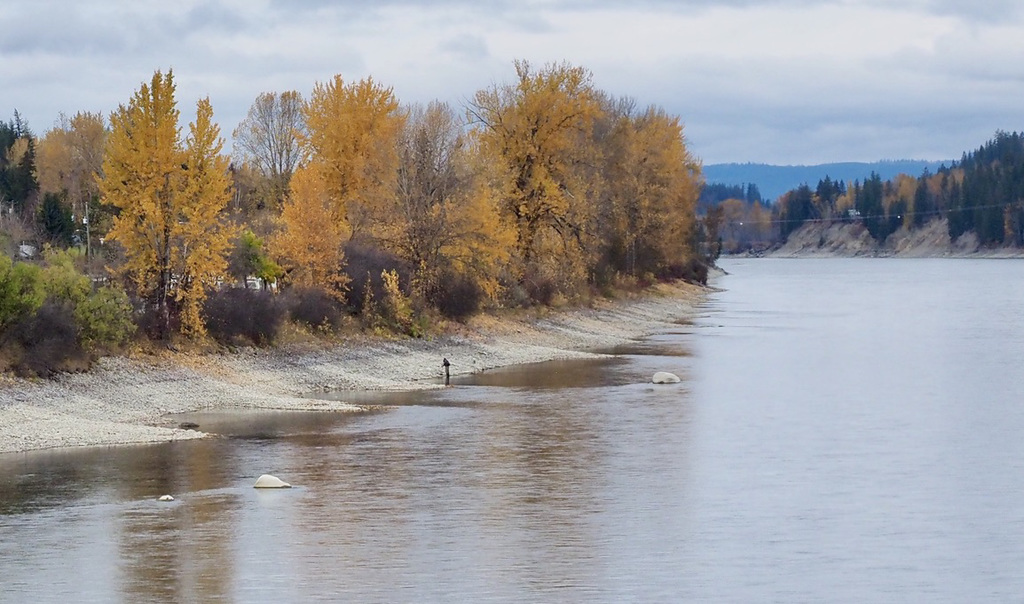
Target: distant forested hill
pixel 773 181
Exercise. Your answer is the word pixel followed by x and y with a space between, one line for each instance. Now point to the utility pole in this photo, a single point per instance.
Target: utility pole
pixel 88 243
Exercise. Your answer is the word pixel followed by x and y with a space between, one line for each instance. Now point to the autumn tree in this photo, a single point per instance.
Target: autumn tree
pixel 169 195
pixel 428 181
pixel 537 130
pixel 54 159
pixel 268 140
pixel 444 223
pixel 615 135
pixel 901 202
pixel 758 228
pixel 203 237
pixel 69 160
pixel 352 130
pixel 653 183
pixel 308 245
pixel 670 179
pixel 734 213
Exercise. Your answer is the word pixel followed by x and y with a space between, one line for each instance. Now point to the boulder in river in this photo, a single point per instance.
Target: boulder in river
pixel 267 481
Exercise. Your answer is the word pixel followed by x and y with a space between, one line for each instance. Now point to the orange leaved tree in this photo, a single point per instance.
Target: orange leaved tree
pixel 169 195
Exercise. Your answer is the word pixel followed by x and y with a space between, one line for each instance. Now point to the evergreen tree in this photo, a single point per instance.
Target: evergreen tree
pixel 924 205
pixel 869 203
pixel 797 208
pixel 958 218
pixel 55 220
pixel 753 194
pixel 992 183
pixel 894 219
pixel 18 184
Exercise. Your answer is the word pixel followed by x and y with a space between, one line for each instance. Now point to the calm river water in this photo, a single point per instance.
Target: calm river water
pixel 846 431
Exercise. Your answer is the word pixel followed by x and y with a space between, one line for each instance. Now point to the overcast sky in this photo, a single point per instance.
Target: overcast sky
pixel 776 81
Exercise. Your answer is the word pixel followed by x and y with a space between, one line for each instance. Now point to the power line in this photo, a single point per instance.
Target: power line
pixel 861 217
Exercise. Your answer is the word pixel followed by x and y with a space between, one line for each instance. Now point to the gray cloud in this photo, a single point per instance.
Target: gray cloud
pixel 46 29
pixel 787 81
pixel 993 11
pixel 216 17
pixel 466 46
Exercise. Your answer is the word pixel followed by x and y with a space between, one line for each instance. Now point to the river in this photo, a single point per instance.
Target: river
pixel 845 431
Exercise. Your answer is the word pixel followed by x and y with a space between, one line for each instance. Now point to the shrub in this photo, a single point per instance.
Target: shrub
pixel 45 342
pixel 21 292
pixel 150 323
pixel 693 270
pixel 364 266
pixel 105 318
pixel 235 314
pixel 540 288
pixel 61 280
pixel 313 307
pixel 456 296
pixel 394 307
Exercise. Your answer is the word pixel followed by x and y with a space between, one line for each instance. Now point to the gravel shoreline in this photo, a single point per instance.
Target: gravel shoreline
pixel 126 401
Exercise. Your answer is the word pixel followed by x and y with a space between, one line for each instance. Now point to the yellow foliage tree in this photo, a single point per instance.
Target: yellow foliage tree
pixel 309 243
pixel 443 220
pixel 906 188
pixel 483 243
pixel 54 159
pixel 538 130
pixel 351 140
pixel 203 238
pixel 70 155
pixel 617 210
pixel 652 187
pixel 734 211
pixel 669 180
pixel 69 158
pixel 169 195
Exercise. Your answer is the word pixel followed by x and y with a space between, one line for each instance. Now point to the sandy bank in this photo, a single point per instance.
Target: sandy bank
pixel 124 401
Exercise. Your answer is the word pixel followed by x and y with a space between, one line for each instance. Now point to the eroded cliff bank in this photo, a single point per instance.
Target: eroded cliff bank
pixel 846 239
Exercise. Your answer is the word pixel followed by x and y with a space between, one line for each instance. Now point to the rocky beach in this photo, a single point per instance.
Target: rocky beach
pixel 128 400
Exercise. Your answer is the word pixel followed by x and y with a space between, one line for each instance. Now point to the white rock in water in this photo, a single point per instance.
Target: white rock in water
pixel 664 377
pixel 270 482
pixel 166 498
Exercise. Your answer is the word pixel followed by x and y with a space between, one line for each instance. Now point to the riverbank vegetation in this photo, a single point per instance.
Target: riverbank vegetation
pixel 343 209
pixel 980 197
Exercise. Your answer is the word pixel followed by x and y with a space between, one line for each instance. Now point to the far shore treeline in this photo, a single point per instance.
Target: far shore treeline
pixel 343 208
pixel 981 196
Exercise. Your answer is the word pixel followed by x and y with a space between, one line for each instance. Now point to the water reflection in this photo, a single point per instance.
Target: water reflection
pixel 820 448
pixel 521 484
pixel 181 551
pixel 529 483
pixel 105 500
